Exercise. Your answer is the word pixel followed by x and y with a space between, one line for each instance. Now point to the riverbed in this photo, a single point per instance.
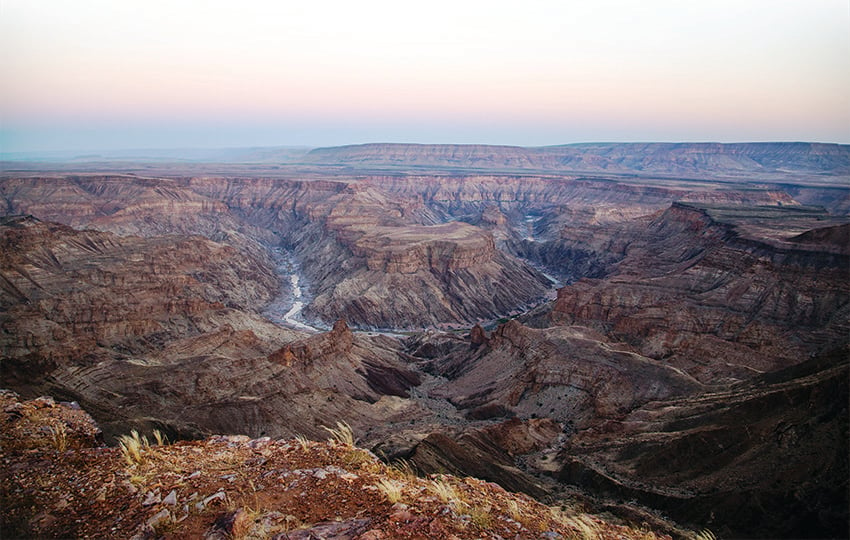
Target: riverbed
pixel 285 309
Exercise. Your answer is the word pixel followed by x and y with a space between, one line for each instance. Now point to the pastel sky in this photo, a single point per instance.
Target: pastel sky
pixel 107 74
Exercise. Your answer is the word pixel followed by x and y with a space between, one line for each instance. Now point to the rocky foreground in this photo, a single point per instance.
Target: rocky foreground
pixel 59 482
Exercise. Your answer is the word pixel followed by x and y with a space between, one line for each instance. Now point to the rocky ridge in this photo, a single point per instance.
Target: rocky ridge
pixel 697 285
pixel 58 483
pixel 769 455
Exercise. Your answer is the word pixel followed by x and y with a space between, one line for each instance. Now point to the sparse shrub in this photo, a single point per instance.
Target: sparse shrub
pixel 444 491
pixel 393 490
pixel 58 437
pixel 342 434
pixel 481 516
pixel 132 446
pixel 303 442
pixel 161 439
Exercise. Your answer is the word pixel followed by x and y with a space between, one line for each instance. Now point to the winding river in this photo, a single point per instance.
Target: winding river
pixel 286 308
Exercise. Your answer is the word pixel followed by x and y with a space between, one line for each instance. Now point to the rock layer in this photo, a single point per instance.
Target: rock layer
pixel 562 373
pixel 697 286
pixel 703 159
pixel 767 459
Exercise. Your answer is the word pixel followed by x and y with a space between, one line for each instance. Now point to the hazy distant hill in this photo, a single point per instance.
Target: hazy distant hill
pixel 824 163
pixel 701 159
pixel 259 154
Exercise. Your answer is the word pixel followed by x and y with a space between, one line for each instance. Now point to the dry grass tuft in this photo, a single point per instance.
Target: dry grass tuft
pixel 444 491
pixel 404 467
pixel 481 516
pixel 705 534
pixel 303 442
pixel 393 490
pixel 514 511
pixel 58 437
pixel 343 434
pixel 132 447
pixel 583 527
pixel 359 458
pixel 161 439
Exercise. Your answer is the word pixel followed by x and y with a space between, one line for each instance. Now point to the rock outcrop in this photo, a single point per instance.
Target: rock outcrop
pixel 699 285
pixel 568 374
pixel 765 459
pixel 57 484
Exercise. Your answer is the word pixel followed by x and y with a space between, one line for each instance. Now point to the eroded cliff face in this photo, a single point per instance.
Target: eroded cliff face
pixel 163 332
pixel 568 374
pixel 697 290
pixel 120 204
pixel 764 459
pixel 82 295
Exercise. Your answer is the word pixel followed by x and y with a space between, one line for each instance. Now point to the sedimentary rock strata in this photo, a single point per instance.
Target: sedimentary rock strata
pixel 693 288
pixel 564 373
pixel 767 458
pixel 677 353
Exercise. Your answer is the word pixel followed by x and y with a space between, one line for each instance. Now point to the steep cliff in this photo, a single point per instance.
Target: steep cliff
pixel 701 284
pixel 763 459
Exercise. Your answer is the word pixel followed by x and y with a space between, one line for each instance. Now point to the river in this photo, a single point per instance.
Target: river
pixel 285 309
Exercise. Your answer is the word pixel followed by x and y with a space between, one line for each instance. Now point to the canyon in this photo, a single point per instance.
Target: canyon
pixel 655 331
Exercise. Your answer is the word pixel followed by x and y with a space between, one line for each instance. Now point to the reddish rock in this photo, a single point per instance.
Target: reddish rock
pixel 477 336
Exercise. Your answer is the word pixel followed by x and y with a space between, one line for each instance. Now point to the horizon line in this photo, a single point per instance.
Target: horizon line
pixel 81 153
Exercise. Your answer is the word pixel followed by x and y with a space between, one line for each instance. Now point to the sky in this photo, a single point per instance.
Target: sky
pixel 106 74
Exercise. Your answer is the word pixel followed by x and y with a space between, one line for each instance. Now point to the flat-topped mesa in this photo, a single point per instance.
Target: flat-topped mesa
pixel 698 159
pixel 119 204
pixel 439 248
